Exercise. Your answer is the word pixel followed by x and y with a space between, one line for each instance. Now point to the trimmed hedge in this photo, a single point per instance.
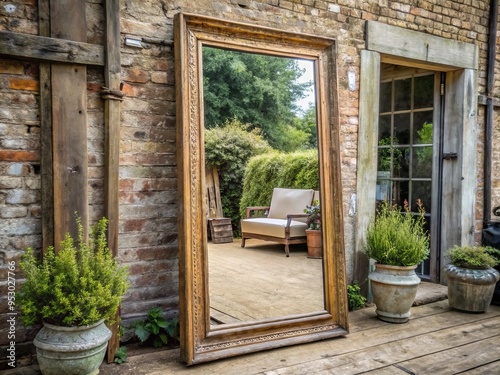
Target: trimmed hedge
pixel 298 170
pixel 228 148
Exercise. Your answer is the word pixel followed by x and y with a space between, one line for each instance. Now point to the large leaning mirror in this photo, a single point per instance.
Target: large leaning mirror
pixel 202 338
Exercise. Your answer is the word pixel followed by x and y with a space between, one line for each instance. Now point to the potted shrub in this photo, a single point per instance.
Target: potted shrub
pixel 397 241
pixel 471 277
pixel 72 292
pixel 313 233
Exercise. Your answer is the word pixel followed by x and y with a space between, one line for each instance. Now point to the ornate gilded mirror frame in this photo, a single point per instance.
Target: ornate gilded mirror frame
pixel 199 341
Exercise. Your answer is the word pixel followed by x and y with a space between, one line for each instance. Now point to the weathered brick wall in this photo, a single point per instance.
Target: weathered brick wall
pixel 148 185
pixel 20 224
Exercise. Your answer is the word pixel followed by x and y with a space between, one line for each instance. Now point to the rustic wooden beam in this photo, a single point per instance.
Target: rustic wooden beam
pixel 112 141
pixel 69 121
pixel 47 177
pixel 407 47
pixel 50 49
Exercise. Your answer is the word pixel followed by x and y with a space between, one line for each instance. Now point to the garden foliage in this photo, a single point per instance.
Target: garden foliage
pixel 474 256
pixel 156 329
pixel 79 285
pixel 228 148
pixel 297 170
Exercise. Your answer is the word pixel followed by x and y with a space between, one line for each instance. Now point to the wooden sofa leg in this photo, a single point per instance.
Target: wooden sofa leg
pixel 287 250
pixel 243 242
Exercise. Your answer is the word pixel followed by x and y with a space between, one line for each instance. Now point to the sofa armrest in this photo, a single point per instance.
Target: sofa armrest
pixel 249 210
pixel 290 217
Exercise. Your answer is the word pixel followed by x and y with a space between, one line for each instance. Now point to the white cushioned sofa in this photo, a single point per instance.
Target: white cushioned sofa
pixel 285 221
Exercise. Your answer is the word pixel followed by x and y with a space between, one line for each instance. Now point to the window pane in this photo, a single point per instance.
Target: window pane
pixel 402 129
pixel 423 95
pixel 422 162
pixel 384 128
pixel 402 94
pixel 384 159
pixel 385 96
pixel 422 127
pixel 421 190
pixel 400 192
pixel 401 159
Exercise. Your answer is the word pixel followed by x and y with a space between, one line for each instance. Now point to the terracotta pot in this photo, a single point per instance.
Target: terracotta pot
pixel 394 289
pixel 470 289
pixel 71 350
pixel 314 244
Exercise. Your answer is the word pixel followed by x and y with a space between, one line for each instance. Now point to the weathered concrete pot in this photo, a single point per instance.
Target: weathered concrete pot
pixel 470 289
pixel 71 350
pixel 394 289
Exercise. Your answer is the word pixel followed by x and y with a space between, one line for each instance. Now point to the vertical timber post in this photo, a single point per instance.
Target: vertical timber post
pixel 69 122
pixel 112 72
pixel 46 150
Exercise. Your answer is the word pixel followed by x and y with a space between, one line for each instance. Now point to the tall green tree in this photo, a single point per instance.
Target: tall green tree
pixel 260 90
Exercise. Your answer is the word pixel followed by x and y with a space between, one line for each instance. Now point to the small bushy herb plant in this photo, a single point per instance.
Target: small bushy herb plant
pixel 474 256
pixel 79 285
pixel 156 329
pixel 314 216
pixel 397 237
pixel 355 300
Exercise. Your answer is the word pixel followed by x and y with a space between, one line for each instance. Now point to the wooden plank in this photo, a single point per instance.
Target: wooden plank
pixel 416 46
pixel 457 359
pixel 50 49
pixel 489 368
pixel 46 151
pixel 390 370
pixel 112 74
pixel 469 153
pixel 367 159
pixel 397 351
pixel 69 115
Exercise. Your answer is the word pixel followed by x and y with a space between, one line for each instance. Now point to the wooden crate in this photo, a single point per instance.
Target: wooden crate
pixel 221 230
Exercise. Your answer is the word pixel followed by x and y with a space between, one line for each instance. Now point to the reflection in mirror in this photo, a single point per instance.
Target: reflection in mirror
pixel 201 340
pixel 260 111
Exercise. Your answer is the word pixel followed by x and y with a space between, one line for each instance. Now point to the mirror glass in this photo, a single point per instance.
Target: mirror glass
pixel 232 304
pixel 252 98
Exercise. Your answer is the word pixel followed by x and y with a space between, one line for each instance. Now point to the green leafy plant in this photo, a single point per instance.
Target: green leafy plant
pixel 79 285
pixel 228 149
pixel 355 299
pixel 314 216
pixel 156 329
pixel 120 355
pixel 397 237
pixel 474 256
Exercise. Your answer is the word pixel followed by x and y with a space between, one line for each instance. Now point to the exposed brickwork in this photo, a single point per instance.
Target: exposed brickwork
pixel 148 184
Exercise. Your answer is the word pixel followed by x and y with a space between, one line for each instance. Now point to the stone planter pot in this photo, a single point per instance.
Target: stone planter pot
pixel 71 350
pixel 470 289
pixel 314 244
pixel 394 289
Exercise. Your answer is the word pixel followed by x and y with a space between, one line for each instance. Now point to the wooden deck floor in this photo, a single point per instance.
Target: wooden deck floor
pixel 437 340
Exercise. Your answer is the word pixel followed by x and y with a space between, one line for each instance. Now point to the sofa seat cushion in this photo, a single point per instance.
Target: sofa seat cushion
pixel 273 227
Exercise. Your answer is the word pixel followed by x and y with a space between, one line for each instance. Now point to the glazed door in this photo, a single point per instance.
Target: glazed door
pixel 408 169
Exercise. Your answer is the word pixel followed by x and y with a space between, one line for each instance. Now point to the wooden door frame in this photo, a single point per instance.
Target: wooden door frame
pixel 395 45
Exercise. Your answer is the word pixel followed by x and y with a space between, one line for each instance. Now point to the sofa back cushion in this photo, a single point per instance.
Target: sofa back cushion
pixel 289 201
